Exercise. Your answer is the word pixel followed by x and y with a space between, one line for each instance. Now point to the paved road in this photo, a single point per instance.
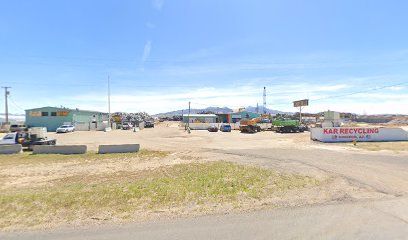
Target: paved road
pixel 365 220
pixel 386 174
pixel 385 218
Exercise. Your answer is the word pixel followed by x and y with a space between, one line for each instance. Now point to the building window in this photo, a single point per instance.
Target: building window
pixel 53 114
pixel 62 113
pixel 44 114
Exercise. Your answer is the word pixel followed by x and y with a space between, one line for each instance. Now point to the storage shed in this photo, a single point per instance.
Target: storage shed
pixel 200 118
pixel 53 117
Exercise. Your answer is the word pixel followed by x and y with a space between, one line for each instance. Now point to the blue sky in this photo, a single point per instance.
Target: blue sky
pixel 160 54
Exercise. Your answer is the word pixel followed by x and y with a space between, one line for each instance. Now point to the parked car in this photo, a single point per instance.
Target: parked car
pixel 213 129
pixel 225 128
pixel 17 127
pixel 126 126
pixel 149 124
pixel 65 129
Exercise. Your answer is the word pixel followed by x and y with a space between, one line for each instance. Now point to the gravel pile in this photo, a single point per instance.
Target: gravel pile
pixel 399 121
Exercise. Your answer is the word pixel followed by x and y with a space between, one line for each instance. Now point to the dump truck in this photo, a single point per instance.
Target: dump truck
pixel 287 126
pixel 249 126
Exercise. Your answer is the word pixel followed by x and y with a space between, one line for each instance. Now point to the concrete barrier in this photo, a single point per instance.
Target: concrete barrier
pixel 63 149
pixel 121 148
pixel 10 149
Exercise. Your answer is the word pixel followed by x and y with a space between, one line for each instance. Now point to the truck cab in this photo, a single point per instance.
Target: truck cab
pixel 10 138
pixel 26 139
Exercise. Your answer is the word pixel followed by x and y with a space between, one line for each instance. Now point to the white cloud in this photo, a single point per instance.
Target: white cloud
pixel 279 97
pixel 158 4
pixel 146 50
pixel 392 106
pixel 396 88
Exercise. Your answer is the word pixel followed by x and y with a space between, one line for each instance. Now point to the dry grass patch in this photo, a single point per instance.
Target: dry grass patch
pixel 125 195
pixel 29 158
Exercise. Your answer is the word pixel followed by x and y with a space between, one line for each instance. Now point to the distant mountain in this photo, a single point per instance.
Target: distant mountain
pixel 13 118
pixel 195 111
pixel 213 110
pixel 269 111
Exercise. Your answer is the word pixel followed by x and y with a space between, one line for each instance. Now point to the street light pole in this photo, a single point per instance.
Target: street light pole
pixel 109 104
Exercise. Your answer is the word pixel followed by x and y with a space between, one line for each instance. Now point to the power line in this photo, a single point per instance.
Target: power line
pixel 363 91
pixel 15 104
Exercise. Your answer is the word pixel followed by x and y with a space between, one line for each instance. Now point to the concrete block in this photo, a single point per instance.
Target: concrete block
pixel 121 148
pixel 63 149
pixel 10 149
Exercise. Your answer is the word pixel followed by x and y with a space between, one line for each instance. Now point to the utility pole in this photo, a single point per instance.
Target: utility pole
pixel 6 94
pixel 264 100
pixel 109 104
pixel 189 109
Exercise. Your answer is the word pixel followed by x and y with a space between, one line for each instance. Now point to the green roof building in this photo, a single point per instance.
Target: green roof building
pixel 53 117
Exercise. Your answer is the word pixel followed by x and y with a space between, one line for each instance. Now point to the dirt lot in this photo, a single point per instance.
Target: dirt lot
pixel 306 173
pixel 170 137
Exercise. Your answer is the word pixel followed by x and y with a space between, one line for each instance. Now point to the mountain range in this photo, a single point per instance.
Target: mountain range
pixel 13 119
pixel 214 110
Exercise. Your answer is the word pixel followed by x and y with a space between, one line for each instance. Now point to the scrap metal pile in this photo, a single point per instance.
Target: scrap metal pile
pixel 122 117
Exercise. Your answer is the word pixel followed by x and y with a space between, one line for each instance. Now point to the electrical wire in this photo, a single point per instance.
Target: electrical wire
pixel 363 91
pixel 15 104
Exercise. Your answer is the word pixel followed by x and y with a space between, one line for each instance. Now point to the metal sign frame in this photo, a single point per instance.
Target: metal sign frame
pixel 301 103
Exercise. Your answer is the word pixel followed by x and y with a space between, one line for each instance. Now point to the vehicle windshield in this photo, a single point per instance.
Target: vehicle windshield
pixel 65 126
pixel 9 136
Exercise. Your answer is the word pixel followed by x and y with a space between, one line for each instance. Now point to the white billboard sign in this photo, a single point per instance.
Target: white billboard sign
pixel 360 134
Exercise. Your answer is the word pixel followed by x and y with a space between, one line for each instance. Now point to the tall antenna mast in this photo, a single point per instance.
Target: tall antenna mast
pixel 264 100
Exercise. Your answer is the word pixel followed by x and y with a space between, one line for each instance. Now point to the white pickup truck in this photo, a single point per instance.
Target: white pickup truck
pixel 26 139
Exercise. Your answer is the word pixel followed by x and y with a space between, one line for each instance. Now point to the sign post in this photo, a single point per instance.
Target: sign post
pixel 300 104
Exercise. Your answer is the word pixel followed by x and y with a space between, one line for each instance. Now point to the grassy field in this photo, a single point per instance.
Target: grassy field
pixel 125 195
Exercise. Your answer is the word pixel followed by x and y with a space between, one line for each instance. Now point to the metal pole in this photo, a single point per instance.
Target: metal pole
pixel 264 100
pixel 109 105
pixel 300 114
pixel 189 109
pixel 6 93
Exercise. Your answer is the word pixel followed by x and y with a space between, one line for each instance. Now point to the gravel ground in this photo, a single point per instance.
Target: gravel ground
pixel 350 174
